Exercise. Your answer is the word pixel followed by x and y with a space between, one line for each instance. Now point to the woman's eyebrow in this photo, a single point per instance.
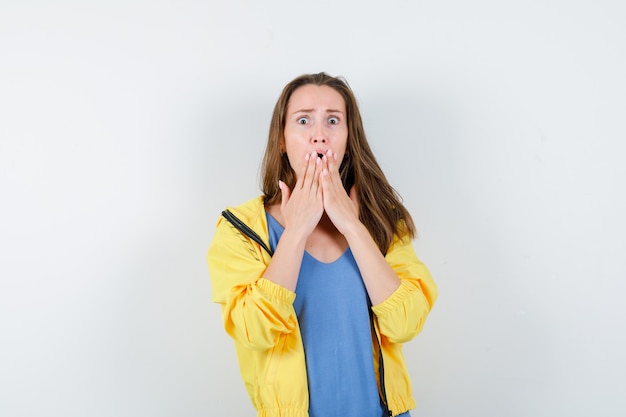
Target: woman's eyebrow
pixel 311 110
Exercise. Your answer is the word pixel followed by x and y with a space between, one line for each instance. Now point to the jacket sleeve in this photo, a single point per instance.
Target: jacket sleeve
pixel 255 311
pixel 402 315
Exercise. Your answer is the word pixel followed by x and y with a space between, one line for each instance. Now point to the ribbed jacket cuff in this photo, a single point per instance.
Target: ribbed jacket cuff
pixel 275 291
pixel 394 301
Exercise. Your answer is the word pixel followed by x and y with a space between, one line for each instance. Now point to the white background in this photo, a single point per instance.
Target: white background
pixel 127 126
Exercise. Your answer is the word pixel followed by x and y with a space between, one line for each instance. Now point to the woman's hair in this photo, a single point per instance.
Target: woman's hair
pixel 381 209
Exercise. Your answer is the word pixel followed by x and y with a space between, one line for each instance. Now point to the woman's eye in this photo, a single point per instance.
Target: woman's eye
pixel 303 121
pixel 333 120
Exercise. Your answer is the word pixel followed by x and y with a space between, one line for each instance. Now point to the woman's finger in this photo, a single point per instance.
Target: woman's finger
pixel 332 171
pixel 285 192
pixel 331 157
pixel 309 173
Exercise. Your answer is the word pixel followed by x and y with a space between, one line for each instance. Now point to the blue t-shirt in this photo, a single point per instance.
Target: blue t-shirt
pixel 332 306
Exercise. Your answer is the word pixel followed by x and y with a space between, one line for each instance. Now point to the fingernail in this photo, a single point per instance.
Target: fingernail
pixel 335 156
pixel 325 172
pixel 306 157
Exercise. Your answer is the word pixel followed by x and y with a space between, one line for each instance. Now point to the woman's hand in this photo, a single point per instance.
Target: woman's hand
pixel 343 210
pixel 379 278
pixel 302 207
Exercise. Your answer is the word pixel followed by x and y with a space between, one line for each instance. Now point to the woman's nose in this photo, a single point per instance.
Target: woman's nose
pixel 318 135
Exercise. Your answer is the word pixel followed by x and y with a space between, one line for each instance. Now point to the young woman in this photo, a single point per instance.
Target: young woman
pixel 317 278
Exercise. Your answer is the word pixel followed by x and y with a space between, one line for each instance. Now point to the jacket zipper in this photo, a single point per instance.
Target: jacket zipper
pixel 246 230
pixel 381 369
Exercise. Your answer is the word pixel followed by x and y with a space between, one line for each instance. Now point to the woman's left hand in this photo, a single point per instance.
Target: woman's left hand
pixel 379 278
pixel 343 210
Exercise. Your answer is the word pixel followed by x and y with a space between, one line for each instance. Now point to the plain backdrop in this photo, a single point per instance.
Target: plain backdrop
pixel 127 126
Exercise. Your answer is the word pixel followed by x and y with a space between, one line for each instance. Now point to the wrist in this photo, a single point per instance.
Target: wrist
pixel 294 236
pixel 354 231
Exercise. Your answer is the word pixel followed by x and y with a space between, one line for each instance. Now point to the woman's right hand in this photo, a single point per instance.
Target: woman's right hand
pixel 302 207
pixel 300 210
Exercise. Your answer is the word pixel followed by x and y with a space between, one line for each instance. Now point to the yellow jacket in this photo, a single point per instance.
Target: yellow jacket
pixel 259 315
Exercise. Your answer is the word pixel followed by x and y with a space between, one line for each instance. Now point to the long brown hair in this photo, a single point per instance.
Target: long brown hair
pixel 381 208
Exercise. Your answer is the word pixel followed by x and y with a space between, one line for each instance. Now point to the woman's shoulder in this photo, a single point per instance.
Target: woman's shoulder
pixel 250 210
pixel 251 213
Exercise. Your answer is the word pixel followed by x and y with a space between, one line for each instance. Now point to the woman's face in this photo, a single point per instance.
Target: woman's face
pixel 315 122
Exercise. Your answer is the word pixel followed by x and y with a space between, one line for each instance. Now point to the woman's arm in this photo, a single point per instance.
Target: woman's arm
pixel 398 284
pixel 403 314
pixel 379 278
pixel 256 293
pixel 400 287
pixel 300 212
pixel 255 310
pixel 343 210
